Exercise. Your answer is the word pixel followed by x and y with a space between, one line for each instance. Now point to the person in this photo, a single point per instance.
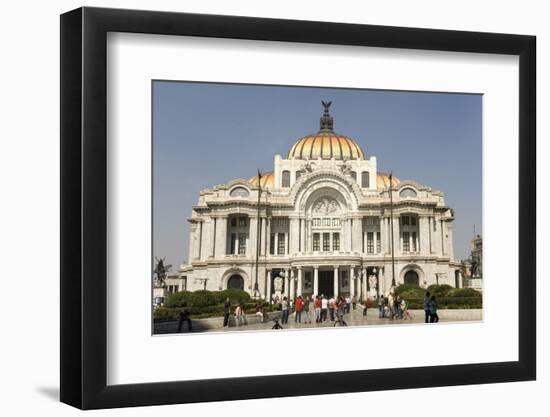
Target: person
pixel 184 317
pixel 308 309
pixel 381 306
pixel 365 308
pixel 239 315
pixel 434 318
pixel 398 312
pixel 427 307
pixel 331 305
pixel 284 308
pixel 405 310
pixel 226 311
pixel 340 305
pixel 347 306
pixel 317 306
pixel 354 302
pixel 324 308
pixel 391 306
pixel 259 312
pixel 298 307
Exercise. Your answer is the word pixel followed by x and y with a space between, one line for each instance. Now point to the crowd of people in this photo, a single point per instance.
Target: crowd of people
pixel 318 308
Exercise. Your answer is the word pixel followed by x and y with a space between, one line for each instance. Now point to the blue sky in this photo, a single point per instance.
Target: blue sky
pixel 206 134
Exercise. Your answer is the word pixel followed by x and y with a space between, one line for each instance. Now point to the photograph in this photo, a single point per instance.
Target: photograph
pixel 299 207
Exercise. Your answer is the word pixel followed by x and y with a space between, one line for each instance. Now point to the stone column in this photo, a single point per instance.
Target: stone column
pixel 315 280
pixel 300 283
pixel 292 289
pixel 352 281
pixel 221 237
pixel 357 232
pixel 359 285
pixel 252 237
pixel 424 230
pixel 294 235
pixel 365 285
pixel 336 284
pixel 268 285
pixel 396 240
pixel 309 236
pixel 276 244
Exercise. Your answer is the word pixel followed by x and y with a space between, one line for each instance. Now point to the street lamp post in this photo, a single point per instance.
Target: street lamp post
pixel 258 235
pixel 392 243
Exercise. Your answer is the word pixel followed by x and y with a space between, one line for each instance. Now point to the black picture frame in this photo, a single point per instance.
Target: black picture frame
pixel 84 207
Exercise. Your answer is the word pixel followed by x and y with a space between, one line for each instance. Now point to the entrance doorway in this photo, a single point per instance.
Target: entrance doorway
pixel 236 281
pixel 326 283
pixel 411 277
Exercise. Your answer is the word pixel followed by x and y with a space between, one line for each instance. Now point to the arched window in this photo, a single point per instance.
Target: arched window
pixel 365 179
pixel 236 281
pixel 286 179
pixel 411 277
pixel 298 174
pixel 354 175
pixel 239 192
pixel 407 192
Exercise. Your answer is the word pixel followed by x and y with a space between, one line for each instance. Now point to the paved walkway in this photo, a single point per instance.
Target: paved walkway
pixel 354 318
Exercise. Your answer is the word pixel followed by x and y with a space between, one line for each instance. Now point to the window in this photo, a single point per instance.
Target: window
pixel 405 220
pixel 407 192
pixel 414 249
pixel 239 192
pixel 233 222
pixel 242 243
pixel 298 174
pixel 316 222
pixel 286 179
pixel 326 242
pixel 272 244
pixel 336 241
pixel 365 177
pixel 354 175
pixel 336 222
pixel 326 222
pixel 406 243
pixel 233 242
pixel 242 221
pixel 413 220
pixel 370 242
pixel 281 244
pixel 316 243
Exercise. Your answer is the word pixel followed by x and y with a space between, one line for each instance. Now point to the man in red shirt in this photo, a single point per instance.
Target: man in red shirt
pixel 318 309
pixel 298 307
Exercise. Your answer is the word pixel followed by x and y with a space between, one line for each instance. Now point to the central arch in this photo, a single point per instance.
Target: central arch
pixel 235 281
pixel 411 277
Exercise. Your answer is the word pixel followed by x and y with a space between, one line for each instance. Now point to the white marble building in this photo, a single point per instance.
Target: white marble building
pixel 321 221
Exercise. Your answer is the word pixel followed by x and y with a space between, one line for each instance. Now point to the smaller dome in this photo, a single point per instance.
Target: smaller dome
pixel 383 181
pixel 266 181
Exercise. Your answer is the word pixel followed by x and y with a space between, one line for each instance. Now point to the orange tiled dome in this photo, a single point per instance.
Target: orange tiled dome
pixel 265 182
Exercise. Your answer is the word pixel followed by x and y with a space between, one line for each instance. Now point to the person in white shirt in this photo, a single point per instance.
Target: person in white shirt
pixel 324 308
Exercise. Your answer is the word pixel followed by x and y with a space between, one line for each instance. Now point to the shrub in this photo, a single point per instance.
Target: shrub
pixel 179 299
pixel 409 287
pixel 235 296
pixel 202 298
pixel 440 290
pixel 464 292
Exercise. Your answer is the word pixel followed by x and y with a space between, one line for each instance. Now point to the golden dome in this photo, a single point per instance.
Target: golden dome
pixel 326 144
pixel 383 180
pixel 265 182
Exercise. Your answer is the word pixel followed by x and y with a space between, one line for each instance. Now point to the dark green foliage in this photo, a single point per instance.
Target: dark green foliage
pixel 179 299
pixel 203 298
pixel 235 296
pixel 410 291
pixel 440 290
pixel 464 292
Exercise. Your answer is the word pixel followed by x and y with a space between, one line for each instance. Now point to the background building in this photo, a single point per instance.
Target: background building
pixel 320 223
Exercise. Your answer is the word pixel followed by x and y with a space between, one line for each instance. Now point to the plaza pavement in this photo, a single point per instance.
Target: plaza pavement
pixel 354 318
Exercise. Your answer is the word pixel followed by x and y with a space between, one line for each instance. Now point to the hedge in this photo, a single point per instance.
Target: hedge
pixel 440 290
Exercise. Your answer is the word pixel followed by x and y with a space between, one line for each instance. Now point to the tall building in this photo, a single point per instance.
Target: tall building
pixel 320 223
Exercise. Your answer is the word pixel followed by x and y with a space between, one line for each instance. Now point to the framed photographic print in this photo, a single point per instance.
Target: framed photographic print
pixel 263 184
